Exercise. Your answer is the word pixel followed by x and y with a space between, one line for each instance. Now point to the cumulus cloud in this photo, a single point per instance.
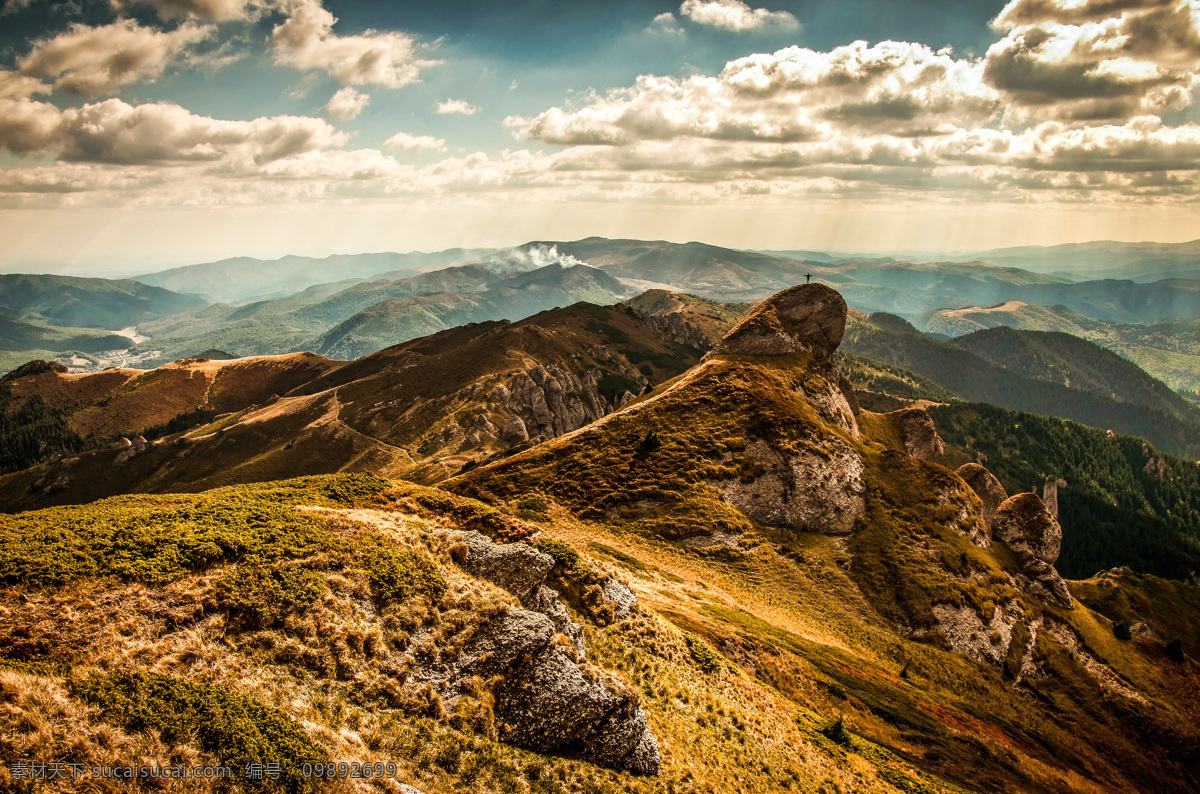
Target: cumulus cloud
pixel 1096 59
pixel 346 104
pixel 306 41
pixel 795 94
pixel 736 16
pixel 98 60
pixel 459 106
pixel 114 132
pixel 415 143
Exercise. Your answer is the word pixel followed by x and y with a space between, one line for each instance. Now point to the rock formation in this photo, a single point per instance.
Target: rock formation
pixel 810 485
pixel 1050 494
pixel 551 401
pixel 918 434
pixel 674 326
pixel 811 490
pixel 808 317
pixel 989 490
pixel 1028 528
pixel 546 701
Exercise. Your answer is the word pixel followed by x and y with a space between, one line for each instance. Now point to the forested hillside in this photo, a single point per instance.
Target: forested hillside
pixel 1125 503
pixel 1121 406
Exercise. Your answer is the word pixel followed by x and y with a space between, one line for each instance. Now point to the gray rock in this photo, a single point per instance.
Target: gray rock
pixel 810 490
pixel 407 789
pixel 989 490
pixel 548 603
pixel 517 567
pixel 514 431
pixel 1026 526
pixel 918 434
pixel 621 597
pixel 674 326
pixel 1050 493
pixel 553 705
pixel 808 317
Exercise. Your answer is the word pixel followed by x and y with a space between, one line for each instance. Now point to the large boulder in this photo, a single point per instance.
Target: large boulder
pixel 547 702
pixel 813 488
pixel 1026 527
pixel 918 433
pixel 808 317
pixel 985 485
pixel 517 567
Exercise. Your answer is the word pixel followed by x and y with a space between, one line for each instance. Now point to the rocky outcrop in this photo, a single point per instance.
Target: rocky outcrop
pixel 969 635
pixel 815 489
pixel 514 431
pixel 129 449
pixel 918 433
pixel 546 700
pixel 1026 526
pixel 674 326
pixel 808 318
pixel 517 567
pixel 551 401
pixel 1050 494
pixel 989 490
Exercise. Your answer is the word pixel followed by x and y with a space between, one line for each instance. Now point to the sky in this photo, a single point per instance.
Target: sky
pixel 141 134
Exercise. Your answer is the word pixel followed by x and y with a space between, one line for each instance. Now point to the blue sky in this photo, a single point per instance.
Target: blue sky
pixel 135 133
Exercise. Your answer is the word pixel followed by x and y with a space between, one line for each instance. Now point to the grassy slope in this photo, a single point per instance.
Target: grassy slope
pixel 816 618
pixel 256 610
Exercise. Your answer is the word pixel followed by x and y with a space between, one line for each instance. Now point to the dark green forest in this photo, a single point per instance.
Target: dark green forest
pixel 1126 405
pixel 1121 505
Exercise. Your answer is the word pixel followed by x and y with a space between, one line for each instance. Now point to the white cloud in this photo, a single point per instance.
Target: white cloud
pixel 459 106
pixel 114 132
pixel 98 60
pixel 306 41
pixel 346 104
pixel 1096 59
pixel 415 143
pixel 795 94
pixel 666 24
pixel 734 15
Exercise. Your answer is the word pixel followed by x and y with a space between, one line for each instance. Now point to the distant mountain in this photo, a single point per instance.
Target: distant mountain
pixel 244 279
pixel 1168 351
pixel 519 296
pixel 1104 392
pixel 422 409
pixel 409 306
pixel 89 302
pixel 1139 262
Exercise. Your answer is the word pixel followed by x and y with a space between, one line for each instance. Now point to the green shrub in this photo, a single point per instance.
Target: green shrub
pixel 709 660
pixel 150 540
pixel 1121 630
pixel 237 729
pixel 268 592
pixel 353 488
pixel 397 573
pixel 836 732
pixel 1175 650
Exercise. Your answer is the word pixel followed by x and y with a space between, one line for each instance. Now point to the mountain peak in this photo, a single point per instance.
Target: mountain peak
pixel 807 317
